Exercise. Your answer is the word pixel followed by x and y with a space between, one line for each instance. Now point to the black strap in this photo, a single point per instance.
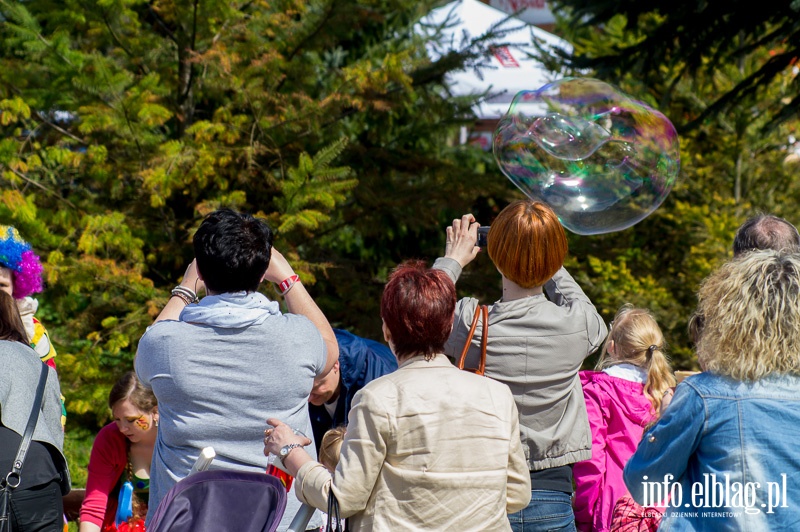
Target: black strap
pixel 13 478
pixel 334 521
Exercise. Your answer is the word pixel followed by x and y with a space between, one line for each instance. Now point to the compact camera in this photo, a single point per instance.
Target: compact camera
pixel 483 231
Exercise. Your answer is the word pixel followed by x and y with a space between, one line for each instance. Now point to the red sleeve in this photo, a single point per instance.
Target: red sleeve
pixel 590 474
pixel 106 464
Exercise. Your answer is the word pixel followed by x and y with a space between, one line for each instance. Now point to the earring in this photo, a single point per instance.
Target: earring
pixel 156 421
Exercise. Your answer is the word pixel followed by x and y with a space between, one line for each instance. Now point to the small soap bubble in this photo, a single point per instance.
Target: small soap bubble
pixel 602 160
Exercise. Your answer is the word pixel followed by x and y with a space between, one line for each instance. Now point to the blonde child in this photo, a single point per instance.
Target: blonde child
pixel 329 451
pixel 331 447
pixel 623 396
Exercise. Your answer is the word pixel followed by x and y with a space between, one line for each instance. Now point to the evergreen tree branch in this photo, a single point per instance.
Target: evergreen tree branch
pixel 61 130
pixel 162 24
pixel 40 186
pixel 142 67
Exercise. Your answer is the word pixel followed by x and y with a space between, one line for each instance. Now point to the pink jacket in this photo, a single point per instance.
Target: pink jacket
pixel 618 412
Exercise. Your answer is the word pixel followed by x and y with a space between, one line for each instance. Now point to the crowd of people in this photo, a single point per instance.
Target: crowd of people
pixel 401 437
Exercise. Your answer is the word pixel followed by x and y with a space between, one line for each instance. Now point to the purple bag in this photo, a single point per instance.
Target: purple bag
pixel 221 501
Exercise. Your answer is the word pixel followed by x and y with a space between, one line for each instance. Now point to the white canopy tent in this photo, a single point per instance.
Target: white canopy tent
pixel 511 67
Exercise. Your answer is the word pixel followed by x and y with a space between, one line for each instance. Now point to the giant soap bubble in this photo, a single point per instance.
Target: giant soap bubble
pixel 602 160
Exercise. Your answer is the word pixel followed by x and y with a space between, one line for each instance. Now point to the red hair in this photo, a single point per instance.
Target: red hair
pixel 417 307
pixel 527 243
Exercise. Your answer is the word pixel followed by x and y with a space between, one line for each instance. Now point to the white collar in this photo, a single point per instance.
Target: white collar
pixel 627 372
pixel 231 310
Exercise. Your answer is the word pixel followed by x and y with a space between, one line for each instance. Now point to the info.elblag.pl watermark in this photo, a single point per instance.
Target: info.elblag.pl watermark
pixel 717 492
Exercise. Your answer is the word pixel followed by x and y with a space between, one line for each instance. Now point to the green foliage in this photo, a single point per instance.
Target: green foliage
pixel 123 122
pixel 665 41
pixel 78 447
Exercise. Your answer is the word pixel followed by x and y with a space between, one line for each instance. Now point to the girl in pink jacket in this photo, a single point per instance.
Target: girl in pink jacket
pixel 622 398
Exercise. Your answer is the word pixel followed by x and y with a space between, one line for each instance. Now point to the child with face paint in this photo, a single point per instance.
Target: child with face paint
pixel 121 453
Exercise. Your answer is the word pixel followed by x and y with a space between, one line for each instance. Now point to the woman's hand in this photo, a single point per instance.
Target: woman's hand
pixel 461 239
pixel 279 268
pixel 280 435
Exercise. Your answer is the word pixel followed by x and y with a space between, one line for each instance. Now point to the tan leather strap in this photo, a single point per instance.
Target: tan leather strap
pixel 482 312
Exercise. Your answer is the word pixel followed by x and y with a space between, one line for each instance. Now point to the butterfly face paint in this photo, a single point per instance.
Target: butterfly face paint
pixel 143 423
pixel 134 424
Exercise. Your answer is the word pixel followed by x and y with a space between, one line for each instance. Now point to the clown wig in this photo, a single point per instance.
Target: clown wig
pixel 17 256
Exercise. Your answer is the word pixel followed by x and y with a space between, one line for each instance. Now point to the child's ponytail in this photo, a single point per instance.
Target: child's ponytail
pixel 659 376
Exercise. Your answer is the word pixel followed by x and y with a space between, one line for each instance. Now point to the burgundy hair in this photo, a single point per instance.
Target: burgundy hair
pixel 417 307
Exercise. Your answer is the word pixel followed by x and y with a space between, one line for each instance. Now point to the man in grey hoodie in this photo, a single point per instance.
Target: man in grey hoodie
pixel 223 365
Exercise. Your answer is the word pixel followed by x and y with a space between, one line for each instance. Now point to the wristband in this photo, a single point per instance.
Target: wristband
pixel 181 297
pixel 187 294
pixel 285 285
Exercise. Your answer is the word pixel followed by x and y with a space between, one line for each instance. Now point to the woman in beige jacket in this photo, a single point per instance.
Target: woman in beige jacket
pixel 428 447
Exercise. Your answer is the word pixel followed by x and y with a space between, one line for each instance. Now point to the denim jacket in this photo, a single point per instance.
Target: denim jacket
pixel 727 455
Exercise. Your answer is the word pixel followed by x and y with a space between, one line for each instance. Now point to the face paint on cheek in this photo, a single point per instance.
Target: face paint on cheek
pixel 142 423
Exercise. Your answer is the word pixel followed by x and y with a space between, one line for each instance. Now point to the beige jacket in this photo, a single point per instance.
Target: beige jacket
pixel 428 447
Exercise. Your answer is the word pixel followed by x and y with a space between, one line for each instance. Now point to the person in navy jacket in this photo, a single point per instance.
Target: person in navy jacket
pixel 360 361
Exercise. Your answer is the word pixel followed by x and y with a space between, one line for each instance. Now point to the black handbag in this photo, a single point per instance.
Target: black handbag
pixel 14 477
pixel 334 521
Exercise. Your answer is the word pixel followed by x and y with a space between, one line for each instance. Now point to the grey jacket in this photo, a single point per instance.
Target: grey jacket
pixel 18 378
pixel 536 346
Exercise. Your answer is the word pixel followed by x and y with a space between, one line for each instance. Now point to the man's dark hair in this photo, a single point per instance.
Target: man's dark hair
pixel 232 251
pixel 765 231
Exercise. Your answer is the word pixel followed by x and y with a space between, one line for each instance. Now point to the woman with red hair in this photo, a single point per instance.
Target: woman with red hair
pixel 428 447
pixel 539 333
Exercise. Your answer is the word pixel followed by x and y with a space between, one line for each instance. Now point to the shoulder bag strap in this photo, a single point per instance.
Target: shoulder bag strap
pixel 13 478
pixel 481 312
pixel 334 520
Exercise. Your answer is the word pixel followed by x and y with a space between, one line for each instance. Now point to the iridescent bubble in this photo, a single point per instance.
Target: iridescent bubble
pixel 602 160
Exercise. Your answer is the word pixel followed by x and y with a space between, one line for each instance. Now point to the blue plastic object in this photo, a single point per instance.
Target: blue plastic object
pixel 125 504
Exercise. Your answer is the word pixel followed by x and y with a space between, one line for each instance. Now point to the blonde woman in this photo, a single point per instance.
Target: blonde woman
pixel 623 396
pixel 725 451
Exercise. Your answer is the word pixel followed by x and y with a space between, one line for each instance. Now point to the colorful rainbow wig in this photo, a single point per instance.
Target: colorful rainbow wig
pixel 17 255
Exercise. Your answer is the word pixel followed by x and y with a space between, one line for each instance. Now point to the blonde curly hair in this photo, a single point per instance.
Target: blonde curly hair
pixel 751 312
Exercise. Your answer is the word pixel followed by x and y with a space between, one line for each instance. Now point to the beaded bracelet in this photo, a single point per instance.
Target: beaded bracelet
pixel 186 294
pixel 181 297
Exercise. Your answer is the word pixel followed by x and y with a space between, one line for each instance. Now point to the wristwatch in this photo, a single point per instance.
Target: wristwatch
pixel 286 449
